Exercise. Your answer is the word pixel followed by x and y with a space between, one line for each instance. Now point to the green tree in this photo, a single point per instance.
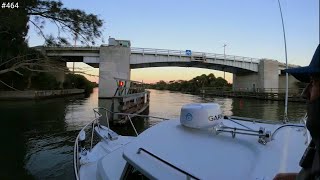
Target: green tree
pixel 87 27
pixel 15 25
pixel 13 30
pixel 161 85
pixel 44 81
pixel 194 85
pixel 211 79
pixel 220 82
pixel 78 81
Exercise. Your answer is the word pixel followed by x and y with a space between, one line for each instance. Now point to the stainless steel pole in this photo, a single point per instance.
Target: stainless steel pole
pixel 287 84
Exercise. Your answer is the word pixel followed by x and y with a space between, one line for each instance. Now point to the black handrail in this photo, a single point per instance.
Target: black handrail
pixel 167 163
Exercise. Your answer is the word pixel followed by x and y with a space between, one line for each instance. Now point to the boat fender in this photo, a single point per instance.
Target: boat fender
pixel 82 138
pixel 82 135
pixel 201 115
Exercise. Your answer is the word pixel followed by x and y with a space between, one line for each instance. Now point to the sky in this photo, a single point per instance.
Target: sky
pixel 250 28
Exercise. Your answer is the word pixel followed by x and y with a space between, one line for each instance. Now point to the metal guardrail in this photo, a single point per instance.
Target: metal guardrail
pixel 76 163
pixel 168 52
pixel 124 114
pixel 256 90
pixel 125 87
pixel 70 46
pixel 275 94
pixel 128 80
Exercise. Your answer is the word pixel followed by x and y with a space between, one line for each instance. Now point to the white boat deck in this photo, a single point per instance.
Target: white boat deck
pixel 206 155
pixel 106 166
pixel 97 163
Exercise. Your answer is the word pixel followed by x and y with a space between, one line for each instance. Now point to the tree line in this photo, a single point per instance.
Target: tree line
pixel 193 86
pixel 22 67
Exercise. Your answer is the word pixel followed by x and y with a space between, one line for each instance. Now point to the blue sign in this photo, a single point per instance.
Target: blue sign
pixel 189 117
pixel 188 52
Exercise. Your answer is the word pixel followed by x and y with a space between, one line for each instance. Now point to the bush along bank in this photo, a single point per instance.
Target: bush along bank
pixel 44 81
pixel 192 86
pixel 80 82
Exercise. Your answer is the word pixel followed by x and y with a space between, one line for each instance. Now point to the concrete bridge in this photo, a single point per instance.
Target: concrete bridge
pixel 147 57
pixel 116 60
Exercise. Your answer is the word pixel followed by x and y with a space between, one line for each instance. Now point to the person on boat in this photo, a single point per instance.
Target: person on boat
pixel 310 162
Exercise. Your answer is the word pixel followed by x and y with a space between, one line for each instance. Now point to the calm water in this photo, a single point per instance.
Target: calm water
pixel 37 136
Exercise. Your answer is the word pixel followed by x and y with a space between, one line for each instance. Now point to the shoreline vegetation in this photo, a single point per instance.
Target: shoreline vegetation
pixel 46 81
pixel 192 86
pixel 39 94
pixel 78 81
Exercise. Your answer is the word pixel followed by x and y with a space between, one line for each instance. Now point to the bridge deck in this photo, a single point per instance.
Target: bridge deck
pixel 147 57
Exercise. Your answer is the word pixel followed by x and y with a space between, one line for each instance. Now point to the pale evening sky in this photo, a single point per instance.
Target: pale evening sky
pixel 250 28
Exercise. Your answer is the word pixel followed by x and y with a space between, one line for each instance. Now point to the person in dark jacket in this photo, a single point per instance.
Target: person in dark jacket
pixel 309 74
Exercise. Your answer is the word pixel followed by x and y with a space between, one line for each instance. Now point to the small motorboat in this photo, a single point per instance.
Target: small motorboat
pixel 201 144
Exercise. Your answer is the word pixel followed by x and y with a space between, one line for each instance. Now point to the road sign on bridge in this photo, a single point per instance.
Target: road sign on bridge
pixel 188 52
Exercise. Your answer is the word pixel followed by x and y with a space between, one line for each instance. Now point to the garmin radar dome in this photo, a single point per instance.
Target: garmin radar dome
pixel 201 115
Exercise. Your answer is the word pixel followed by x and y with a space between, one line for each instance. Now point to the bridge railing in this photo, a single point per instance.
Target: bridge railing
pixel 68 46
pixel 157 51
pixel 292 91
pixel 276 94
pixel 168 52
pixel 78 47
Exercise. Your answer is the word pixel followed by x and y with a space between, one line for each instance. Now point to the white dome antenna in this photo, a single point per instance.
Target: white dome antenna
pixel 201 115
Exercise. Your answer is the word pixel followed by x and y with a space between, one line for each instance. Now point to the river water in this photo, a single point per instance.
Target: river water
pixel 37 136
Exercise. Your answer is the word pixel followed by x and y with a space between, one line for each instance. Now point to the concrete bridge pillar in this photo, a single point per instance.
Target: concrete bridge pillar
pixel 114 62
pixel 266 77
pixel 269 75
pixel 246 81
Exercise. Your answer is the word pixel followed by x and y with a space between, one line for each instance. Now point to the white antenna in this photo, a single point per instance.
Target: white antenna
pixel 287 84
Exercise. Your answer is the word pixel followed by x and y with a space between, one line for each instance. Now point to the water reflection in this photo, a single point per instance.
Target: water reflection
pixel 79 112
pixel 269 110
pixel 105 103
pixel 37 143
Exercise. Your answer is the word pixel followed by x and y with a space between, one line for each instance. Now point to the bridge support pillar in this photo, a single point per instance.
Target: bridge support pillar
pixel 269 75
pixel 246 82
pixel 266 79
pixel 114 63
